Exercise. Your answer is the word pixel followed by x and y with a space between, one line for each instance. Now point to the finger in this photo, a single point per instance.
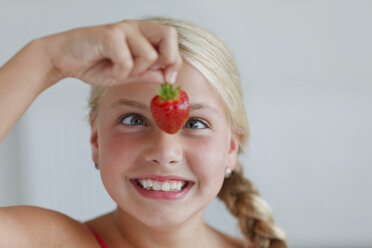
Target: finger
pixel 97 74
pixel 116 49
pixel 171 71
pixel 144 54
pixel 150 76
pixel 165 39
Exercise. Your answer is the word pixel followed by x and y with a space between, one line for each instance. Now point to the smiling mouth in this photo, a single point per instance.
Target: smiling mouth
pixel 154 185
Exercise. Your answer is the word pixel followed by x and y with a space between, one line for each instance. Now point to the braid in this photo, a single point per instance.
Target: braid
pixel 254 215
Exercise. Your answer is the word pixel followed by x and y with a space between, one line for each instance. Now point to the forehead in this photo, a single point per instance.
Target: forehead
pixel 198 88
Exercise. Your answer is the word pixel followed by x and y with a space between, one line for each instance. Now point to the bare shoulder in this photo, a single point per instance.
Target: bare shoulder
pixel 225 240
pixel 28 226
pixel 235 242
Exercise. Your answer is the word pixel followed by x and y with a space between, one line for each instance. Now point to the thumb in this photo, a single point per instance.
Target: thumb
pixel 171 72
pixel 150 76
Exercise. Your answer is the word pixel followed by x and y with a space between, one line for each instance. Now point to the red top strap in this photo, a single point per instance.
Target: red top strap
pixel 100 241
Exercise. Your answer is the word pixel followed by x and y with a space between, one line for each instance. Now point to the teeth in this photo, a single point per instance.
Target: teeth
pixel 149 183
pixel 163 186
pixel 156 186
pixel 174 185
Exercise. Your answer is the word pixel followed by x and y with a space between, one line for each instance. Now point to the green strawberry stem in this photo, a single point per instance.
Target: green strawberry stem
pixel 167 92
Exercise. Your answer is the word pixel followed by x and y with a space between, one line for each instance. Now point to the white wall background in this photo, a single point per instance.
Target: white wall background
pixel 307 72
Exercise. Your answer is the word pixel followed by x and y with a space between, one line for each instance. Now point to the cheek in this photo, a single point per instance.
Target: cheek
pixel 117 152
pixel 210 160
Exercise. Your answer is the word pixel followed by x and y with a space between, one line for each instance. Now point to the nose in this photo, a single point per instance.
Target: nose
pixel 163 149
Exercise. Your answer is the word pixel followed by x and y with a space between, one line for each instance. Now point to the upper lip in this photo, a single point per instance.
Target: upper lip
pixel 162 178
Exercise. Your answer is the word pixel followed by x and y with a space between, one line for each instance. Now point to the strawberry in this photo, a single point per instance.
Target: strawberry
pixel 170 108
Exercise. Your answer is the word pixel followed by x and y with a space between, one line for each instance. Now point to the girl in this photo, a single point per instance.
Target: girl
pixel 160 182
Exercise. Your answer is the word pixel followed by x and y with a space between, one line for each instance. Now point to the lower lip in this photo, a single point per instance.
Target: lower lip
pixel 162 195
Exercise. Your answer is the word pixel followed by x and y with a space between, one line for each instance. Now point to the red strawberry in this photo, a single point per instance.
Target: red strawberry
pixel 170 108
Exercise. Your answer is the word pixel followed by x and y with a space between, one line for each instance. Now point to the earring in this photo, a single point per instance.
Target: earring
pixel 96 165
pixel 228 172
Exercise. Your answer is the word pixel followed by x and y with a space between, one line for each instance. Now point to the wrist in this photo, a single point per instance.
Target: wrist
pixel 41 52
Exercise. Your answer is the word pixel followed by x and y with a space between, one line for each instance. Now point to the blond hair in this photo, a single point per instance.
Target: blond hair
pixel 207 53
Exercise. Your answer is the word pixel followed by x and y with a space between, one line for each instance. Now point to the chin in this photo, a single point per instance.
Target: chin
pixel 165 220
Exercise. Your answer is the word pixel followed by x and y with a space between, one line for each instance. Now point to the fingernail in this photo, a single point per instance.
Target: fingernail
pixel 171 77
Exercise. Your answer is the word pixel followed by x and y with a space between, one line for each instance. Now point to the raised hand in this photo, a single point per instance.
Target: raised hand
pixel 115 53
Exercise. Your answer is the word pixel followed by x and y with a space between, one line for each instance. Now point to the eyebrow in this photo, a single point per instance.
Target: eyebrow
pixel 139 105
pixel 131 103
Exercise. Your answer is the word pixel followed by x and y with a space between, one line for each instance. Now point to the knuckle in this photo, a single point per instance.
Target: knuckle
pixel 170 59
pixel 171 32
pixel 127 64
pixel 128 22
pixel 122 69
pixel 150 56
pixel 109 34
pixel 127 25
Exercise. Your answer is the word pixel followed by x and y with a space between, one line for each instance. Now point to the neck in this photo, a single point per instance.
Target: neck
pixel 191 233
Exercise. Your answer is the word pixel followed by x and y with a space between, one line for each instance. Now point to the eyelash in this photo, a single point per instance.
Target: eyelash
pixel 144 120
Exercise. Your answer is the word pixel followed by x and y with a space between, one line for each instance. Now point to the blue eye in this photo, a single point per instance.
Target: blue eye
pixel 133 120
pixel 195 124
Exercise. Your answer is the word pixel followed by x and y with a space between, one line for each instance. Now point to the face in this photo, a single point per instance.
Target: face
pixel 129 147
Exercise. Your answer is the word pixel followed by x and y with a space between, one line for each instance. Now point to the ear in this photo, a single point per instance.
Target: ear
pixel 233 150
pixel 93 137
